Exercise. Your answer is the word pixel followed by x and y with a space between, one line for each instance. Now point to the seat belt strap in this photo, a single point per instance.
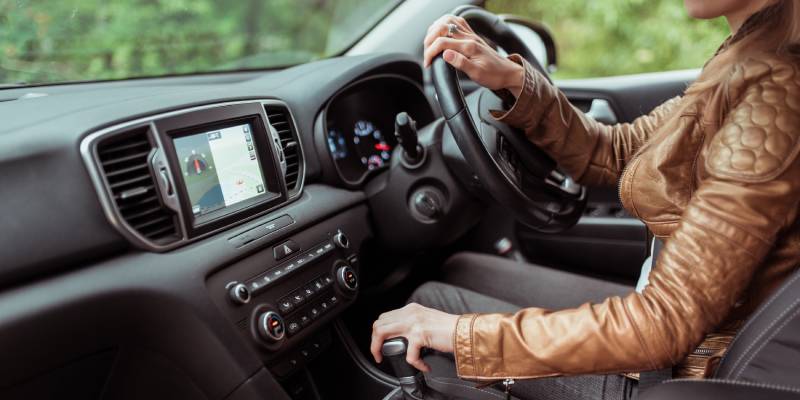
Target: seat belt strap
pixel 649 379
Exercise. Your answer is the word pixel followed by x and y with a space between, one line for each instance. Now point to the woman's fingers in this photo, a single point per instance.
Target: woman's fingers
pixel 461 63
pixel 382 330
pixel 467 48
pixel 441 28
pixel 415 346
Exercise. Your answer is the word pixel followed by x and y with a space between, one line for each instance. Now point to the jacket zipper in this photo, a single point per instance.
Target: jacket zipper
pixel 704 351
pixel 621 175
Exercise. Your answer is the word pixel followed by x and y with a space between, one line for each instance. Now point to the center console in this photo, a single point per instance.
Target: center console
pixel 282 298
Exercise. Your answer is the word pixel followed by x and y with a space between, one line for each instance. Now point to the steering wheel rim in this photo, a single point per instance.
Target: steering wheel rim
pixel 562 201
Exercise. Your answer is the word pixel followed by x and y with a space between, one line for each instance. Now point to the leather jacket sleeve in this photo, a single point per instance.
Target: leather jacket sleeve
pixel 749 193
pixel 591 152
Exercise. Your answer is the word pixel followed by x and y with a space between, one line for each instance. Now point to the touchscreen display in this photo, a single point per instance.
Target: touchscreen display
pixel 220 168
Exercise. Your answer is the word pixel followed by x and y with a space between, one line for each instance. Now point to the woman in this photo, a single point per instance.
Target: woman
pixel 714 173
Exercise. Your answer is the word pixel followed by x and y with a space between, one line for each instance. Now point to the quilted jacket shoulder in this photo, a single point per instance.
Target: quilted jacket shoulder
pixel 759 137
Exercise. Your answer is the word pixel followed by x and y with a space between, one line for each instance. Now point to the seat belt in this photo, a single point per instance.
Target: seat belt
pixel 649 379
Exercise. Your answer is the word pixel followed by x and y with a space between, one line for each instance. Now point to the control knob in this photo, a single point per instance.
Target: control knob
pixel 347 278
pixel 271 327
pixel 341 240
pixel 239 293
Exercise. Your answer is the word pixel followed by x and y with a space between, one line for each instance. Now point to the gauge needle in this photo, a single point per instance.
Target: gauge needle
pixel 382 147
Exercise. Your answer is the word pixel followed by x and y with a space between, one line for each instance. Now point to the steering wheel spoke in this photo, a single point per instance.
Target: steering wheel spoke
pixel 519 175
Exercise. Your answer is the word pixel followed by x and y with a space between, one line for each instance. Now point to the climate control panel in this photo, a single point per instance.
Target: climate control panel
pixel 283 295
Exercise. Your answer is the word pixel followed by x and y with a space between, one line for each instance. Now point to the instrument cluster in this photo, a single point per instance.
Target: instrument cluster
pixel 359 124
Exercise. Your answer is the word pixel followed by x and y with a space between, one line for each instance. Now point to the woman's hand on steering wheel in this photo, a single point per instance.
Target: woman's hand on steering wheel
pixel 421 326
pixel 468 52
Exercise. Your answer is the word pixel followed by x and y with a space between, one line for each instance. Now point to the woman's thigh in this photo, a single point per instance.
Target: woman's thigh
pixel 456 300
pixel 526 285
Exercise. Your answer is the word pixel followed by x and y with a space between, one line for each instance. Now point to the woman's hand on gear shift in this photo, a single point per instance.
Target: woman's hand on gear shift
pixel 421 326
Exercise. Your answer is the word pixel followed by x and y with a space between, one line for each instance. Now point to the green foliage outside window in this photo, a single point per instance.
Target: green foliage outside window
pixel 616 37
pixel 72 40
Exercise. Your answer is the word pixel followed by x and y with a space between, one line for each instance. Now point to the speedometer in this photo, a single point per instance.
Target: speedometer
pixel 364 128
pixel 371 146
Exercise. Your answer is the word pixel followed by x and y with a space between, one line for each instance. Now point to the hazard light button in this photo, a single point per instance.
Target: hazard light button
pixel 285 249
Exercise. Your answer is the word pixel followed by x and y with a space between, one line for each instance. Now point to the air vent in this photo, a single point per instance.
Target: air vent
pixel 280 119
pixel 124 163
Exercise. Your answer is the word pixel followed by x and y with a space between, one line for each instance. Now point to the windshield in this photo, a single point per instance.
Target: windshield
pixel 82 40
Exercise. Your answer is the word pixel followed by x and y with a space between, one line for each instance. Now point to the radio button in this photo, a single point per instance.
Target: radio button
pixel 285 305
pixel 305 320
pixel 293 327
pixel 239 294
pixel 298 299
pixel 341 240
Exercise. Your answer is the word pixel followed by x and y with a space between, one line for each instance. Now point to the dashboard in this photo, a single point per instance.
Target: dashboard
pixel 359 123
pixel 204 199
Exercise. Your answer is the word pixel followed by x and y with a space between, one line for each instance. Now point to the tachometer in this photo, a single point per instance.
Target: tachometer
pixel 337 144
pixel 371 146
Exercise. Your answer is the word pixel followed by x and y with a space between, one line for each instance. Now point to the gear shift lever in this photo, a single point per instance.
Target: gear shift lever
pixel 411 381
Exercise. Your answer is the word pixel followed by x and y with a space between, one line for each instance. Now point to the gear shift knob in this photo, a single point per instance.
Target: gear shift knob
pixel 394 350
pixel 412 383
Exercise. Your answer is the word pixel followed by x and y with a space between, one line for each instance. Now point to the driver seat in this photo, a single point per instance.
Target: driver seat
pixel 763 361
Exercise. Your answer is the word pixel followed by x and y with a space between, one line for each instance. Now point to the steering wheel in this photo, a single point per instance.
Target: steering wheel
pixel 519 175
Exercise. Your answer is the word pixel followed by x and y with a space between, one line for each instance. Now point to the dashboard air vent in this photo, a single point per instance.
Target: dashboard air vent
pixel 281 121
pixel 124 163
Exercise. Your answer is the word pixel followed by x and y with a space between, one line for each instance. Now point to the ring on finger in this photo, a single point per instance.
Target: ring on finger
pixel 452 29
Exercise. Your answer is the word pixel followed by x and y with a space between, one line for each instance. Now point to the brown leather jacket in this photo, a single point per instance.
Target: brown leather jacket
pixel 718 180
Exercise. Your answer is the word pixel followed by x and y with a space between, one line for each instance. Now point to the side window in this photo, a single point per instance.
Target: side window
pixel 619 37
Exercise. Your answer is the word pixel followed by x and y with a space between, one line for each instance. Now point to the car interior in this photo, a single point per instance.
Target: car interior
pixel 233 235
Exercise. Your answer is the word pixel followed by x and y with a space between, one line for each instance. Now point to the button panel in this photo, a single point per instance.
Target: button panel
pixel 309 302
pixel 301 288
pixel 259 283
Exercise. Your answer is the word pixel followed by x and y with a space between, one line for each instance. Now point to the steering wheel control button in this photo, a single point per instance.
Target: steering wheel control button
pixel 341 240
pixel 285 249
pixel 239 294
pixel 271 327
pixel 305 320
pixel 347 278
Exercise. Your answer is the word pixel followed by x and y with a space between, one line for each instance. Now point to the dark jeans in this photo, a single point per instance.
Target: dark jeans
pixel 481 283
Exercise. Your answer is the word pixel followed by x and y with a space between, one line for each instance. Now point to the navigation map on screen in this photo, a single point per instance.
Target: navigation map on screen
pixel 220 168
